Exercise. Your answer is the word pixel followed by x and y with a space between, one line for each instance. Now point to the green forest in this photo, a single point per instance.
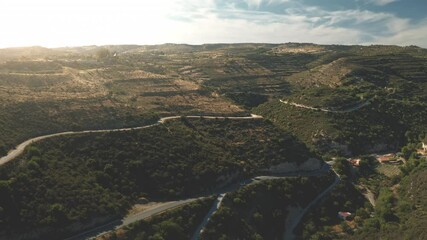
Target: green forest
pixel 259 210
pixel 71 179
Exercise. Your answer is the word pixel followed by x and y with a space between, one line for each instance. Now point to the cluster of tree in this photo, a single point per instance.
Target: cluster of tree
pixel 72 179
pixel 345 197
pixel 259 211
pixel 399 213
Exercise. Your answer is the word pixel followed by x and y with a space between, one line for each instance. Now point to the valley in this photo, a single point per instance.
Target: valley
pixel 89 132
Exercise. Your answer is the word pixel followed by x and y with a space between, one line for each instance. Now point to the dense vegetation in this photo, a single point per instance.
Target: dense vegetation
pixel 259 211
pixel 323 222
pixel 398 211
pixel 381 125
pixel 77 178
pixel 177 224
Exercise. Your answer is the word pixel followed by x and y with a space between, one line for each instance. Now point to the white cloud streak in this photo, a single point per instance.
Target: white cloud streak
pixel 382 2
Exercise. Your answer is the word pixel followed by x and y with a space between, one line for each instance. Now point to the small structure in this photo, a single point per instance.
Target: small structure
pixel 386 158
pixel 423 150
pixel 355 162
pixel 343 215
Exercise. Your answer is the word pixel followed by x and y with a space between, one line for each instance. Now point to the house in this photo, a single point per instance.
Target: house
pixel 386 158
pixel 343 215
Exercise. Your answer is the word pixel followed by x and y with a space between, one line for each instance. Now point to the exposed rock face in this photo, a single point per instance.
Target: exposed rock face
pixel 325 143
pixel 310 165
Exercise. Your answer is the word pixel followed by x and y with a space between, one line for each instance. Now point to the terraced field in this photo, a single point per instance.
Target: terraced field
pixel 45 89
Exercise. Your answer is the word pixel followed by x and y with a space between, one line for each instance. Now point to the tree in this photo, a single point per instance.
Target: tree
pixel 3 150
pixel 171 231
pixel 57 214
pixel 103 53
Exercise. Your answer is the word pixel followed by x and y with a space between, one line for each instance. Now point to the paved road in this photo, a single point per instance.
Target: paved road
pixel 354 108
pixel 170 205
pixel 323 171
pixel 293 223
pixel 214 208
pixel 101 230
pixel 21 147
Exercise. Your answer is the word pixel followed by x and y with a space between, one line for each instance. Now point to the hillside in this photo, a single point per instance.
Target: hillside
pixel 321 101
pixel 375 106
pixel 67 180
pixel 260 210
pixel 51 90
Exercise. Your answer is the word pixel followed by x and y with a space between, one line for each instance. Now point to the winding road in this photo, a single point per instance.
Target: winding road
pixel 319 172
pixel 354 108
pixel 21 147
pixel 13 154
pixel 115 224
pixel 118 223
pixel 293 221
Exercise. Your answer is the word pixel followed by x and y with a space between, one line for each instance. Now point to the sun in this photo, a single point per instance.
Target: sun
pixel 72 23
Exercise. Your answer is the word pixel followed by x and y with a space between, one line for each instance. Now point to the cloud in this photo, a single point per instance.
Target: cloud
pixel 242 25
pixel 255 4
pixel 234 23
pixel 381 2
pixel 408 35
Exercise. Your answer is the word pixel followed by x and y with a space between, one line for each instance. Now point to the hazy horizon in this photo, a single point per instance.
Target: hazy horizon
pixel 53 24
pixel 201 44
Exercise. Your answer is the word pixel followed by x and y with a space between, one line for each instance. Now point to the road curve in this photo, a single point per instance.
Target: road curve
pixel 111 226
pixel 21 147
pixel 293 223
pixel 215 206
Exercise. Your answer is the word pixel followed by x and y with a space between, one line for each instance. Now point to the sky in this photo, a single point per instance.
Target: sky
pixel 58 23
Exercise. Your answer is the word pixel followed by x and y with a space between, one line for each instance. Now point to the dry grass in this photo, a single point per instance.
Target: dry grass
pixel 143 90
pixel 286 49
pixel 329 74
